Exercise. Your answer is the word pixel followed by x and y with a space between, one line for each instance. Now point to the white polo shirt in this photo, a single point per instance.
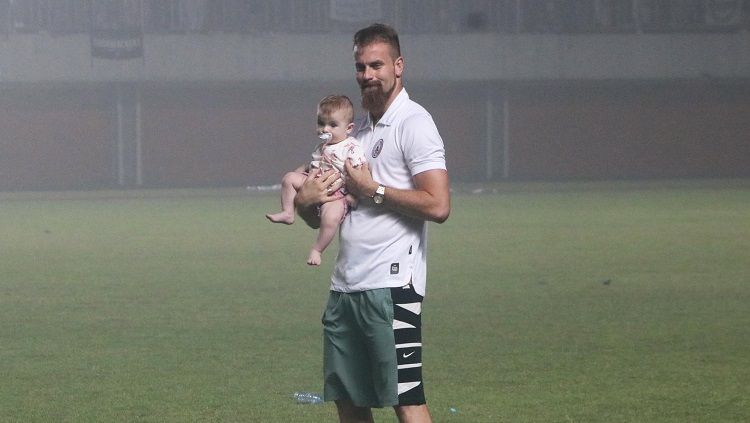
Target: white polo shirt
pixel 380 248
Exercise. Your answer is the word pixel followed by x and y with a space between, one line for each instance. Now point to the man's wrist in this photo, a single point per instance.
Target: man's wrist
pixel 371 191
pixel 378 195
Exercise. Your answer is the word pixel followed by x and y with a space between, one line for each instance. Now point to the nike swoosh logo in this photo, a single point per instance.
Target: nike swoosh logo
pixel 408 355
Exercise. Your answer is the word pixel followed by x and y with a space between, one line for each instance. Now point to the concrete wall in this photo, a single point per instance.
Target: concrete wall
pixel 629 131
pixel 316 57
pixel 56 138
pixel 236 110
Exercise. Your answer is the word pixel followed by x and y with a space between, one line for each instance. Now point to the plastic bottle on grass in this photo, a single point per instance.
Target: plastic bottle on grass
pixel 307 398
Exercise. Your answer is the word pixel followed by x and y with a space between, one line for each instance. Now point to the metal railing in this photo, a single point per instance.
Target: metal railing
pixel 59 17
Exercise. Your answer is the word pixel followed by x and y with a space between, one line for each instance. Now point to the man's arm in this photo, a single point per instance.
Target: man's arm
pixel 429 200
pixel 319 187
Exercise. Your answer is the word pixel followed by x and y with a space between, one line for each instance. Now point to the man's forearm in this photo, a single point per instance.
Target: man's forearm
pixel 418 204
pixel 430 200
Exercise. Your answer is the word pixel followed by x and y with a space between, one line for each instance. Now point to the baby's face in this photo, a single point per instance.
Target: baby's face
pixel 335 124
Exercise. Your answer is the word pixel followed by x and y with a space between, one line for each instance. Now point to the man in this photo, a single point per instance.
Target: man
pixel 372 322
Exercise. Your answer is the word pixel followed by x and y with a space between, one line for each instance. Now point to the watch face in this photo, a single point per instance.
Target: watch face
pixel 379 194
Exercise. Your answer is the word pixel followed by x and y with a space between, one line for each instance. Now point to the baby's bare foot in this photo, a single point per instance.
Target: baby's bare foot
pixel 314 258
pixel 281 217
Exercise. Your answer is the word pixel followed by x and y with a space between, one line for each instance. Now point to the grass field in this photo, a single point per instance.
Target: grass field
pixel 576 302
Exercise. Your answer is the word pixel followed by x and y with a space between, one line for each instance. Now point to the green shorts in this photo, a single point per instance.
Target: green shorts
pixel 372 344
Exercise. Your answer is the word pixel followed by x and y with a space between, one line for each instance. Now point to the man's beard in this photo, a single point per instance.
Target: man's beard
pixel 374 98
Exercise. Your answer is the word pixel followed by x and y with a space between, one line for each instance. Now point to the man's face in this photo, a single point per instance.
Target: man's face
pixel 378 75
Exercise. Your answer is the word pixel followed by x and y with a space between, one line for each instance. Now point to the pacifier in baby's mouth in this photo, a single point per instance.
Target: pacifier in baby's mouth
pixel 325 136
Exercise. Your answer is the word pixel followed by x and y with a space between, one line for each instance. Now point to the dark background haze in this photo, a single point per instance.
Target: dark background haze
pixel 99 94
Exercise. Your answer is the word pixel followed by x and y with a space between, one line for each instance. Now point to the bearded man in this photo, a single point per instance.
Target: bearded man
pixel 372 321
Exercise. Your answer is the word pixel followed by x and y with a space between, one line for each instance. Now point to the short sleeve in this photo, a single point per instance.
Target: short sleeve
pixel 422 145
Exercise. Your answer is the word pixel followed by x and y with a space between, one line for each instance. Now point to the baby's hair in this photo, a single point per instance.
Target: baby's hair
pixel 332 103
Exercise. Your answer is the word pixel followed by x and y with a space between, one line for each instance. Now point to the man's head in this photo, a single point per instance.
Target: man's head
pixel 378 33
pixel 336 117
pixel 379 67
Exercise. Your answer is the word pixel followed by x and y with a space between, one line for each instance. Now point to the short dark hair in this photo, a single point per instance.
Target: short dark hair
pixel 378 33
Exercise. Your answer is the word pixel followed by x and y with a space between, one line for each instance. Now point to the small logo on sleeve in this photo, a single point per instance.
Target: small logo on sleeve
pixel 394 268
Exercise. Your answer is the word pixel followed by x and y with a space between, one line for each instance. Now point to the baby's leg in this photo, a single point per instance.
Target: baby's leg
pixel 289 186
pixel 330 218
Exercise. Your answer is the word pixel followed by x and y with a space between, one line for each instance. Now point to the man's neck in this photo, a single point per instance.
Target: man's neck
pixel 376 115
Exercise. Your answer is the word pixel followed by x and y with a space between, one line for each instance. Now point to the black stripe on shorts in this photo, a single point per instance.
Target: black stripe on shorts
pixel 407 330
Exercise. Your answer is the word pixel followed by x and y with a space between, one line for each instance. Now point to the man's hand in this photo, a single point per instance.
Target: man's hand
pixel 319 187
pixel 359 180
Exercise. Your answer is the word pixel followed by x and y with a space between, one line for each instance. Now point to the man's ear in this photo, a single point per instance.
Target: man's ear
pixel 399 64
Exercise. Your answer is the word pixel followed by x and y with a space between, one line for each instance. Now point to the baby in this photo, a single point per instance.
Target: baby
pixel 335 123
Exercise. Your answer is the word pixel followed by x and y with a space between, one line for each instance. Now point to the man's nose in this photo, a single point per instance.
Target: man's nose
pixel 367 74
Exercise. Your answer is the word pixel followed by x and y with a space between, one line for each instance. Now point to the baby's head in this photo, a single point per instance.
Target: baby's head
pixel 335 117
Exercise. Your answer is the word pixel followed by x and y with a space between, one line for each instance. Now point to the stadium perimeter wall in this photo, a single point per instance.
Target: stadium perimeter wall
pixel 193 135
pixel 677 130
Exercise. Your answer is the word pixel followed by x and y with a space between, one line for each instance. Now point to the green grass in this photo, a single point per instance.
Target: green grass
pixel 578 302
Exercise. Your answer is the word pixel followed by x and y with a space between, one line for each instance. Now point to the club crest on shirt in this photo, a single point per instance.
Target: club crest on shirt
pixel 377 148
